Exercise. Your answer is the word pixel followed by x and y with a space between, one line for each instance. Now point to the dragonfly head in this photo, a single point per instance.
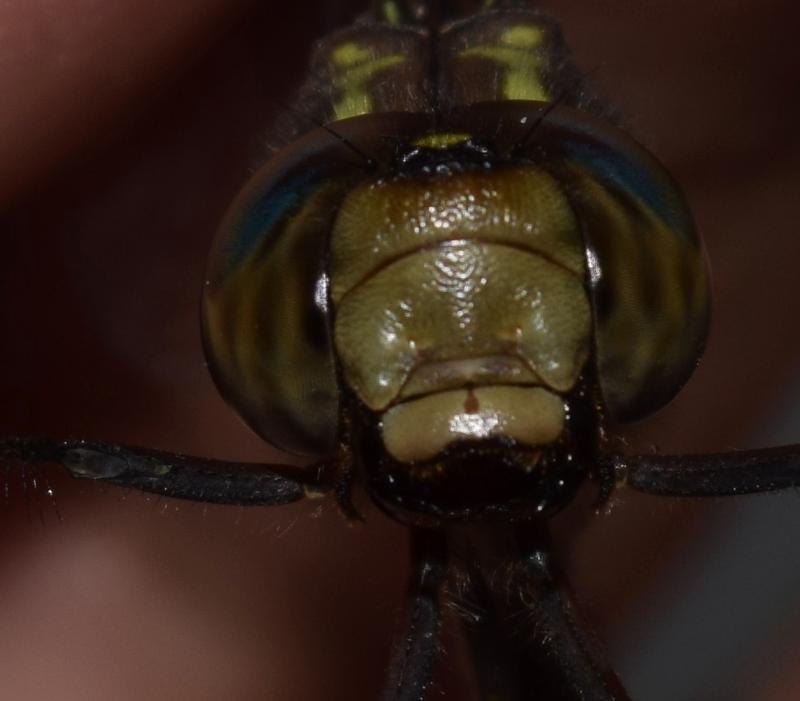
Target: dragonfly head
pixel 463 307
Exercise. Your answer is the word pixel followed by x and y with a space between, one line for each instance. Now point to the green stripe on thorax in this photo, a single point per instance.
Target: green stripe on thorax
pixel 519 55
pixel 355 65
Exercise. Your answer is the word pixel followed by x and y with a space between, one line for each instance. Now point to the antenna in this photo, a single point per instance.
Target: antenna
pixel 369 163
pixel 520 145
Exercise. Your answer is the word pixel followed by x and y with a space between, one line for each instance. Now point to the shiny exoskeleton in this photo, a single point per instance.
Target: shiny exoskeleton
pixel 442 292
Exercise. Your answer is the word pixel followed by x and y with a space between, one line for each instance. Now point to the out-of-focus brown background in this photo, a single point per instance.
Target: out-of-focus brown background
pixel 112 189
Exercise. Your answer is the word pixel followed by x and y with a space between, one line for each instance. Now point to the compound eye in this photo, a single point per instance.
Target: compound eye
pixel 648 279
pixel 265 310
pixel 265 304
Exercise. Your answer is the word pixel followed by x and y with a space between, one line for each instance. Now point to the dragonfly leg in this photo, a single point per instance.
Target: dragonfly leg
pixel 714 474
pixel 416 651
pixel 171 474
pixel 527 637
pixel 498 669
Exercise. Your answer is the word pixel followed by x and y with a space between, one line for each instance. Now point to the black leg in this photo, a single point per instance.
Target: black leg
pixel 416 652
pixel 528 640
pixel 499 668
pixel 715 474
pixel 571 662
pixel 172 475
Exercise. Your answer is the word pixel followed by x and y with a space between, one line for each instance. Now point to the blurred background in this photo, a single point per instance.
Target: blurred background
pixel 111 187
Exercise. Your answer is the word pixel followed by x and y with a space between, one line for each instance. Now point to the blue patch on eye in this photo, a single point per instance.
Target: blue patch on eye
pixel 259 217
pixel 612 166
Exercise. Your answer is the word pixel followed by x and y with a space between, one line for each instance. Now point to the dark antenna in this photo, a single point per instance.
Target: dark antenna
pixel 369 163
pixel 522 143
pixel 570 94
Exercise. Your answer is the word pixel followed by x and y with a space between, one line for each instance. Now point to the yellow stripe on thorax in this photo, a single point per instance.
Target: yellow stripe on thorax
pixel 391 13
pixel 355 67
pixel 520 55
